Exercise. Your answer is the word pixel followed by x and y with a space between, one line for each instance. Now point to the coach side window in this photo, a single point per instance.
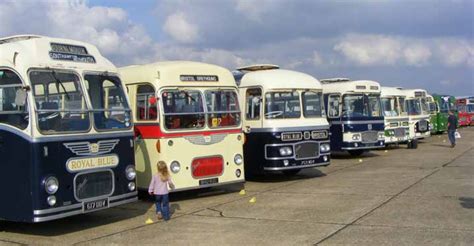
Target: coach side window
pixel 146 103
pixel 13 106
pixel 333 106
pixel 253 99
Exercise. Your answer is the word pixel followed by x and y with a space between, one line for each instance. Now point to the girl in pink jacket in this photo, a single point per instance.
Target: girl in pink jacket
pixel 159 188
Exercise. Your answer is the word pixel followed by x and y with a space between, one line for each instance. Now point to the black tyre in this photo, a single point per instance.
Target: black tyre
pixel 291 172
pixel 356 152
pixel 415 144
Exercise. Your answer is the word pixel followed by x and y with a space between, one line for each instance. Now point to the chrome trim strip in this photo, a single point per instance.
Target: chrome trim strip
pixel 58 209
pixel 209 185
pixel 296 167
pixel 361 122
pixel 365 147
pixel 113 198
pixel 293 150
pixel 85 136
pixel 123 202
pixel 57 216
pixel 79 205
pixel 395 119
pixel 75 212
pixel 285 129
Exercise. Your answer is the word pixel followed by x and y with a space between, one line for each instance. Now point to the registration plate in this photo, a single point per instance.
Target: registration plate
pixel 208 181
pixel 95 205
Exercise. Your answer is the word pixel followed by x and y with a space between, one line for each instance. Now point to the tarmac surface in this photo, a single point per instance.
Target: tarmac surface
pixel 395 196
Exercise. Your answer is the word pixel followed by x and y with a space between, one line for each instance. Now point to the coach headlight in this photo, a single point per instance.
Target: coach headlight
pixel 131 186
pixel 238 159
pixel 356 137
pixel 285 151
pixel 130 172
pixel 175 167
pixel 51 185
pixel 381 135
pixel 324 148
pixel 51 200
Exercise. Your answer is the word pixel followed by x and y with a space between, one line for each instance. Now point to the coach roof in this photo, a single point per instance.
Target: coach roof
pixel 25 51
pixel 171 73
pixel 391 91
pixel 280 79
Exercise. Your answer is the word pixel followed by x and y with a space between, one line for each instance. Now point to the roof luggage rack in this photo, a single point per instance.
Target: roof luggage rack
pixel 17 38
pixel 334 80
pixel 258 67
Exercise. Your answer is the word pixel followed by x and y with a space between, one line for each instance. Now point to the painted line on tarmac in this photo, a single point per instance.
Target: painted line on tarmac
pixel 12 242
pixel 416 227
pixel 393 197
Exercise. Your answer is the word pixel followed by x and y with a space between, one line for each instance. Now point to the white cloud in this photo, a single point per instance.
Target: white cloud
pixel 454 52
pixel 180 29
pixel 417 55
pixel 369 49
pixel 254 10
pixel 316 59
pixel 108 28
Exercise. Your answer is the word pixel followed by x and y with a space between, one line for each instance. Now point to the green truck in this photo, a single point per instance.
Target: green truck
pixel 439 106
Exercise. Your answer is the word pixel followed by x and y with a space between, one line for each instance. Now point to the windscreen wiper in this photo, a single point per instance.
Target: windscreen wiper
pixel 58 81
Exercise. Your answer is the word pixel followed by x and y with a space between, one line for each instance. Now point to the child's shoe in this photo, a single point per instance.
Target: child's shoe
pixel 159 216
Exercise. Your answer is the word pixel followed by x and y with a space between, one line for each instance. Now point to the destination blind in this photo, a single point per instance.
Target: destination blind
pixel 66 52
pixel 199 78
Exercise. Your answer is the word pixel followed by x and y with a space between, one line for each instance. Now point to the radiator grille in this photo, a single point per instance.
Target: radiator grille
pixel 207 167
pixel 423 125
pixel 370 136
pixel 96 184
pixel 306 150
pixel 400 132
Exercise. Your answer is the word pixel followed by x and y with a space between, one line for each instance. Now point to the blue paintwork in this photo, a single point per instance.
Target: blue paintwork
pixel 254 151
pixel 24 167
pixel 337 130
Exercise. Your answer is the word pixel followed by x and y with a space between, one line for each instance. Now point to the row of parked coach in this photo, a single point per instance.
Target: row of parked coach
pixel 78 135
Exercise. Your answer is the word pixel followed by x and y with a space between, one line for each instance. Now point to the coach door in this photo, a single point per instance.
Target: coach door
pixel 253 109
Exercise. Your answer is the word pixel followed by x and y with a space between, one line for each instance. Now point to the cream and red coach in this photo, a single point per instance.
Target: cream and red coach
pixel 187 114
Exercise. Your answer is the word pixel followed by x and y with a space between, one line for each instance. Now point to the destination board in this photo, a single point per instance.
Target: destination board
pixel 67 52
pixel 199 78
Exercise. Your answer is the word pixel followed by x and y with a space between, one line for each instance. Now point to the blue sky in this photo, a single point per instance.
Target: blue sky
pixel 412 44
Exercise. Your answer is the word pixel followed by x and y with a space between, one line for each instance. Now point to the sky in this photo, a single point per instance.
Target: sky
pixel 425 44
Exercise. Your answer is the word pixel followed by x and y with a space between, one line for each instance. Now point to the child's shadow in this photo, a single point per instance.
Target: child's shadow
pixel 174 207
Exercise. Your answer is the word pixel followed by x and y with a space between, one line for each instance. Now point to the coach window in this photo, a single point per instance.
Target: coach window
pixel 13 104
pixel 333 106
pixel 146 103
pixel 253 98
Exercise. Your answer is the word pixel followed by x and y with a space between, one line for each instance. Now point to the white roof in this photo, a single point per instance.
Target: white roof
pixel 279 79
pixel 391 91
pixel 357 86
pixel 36 51
pixel 411 93
pixel 171 73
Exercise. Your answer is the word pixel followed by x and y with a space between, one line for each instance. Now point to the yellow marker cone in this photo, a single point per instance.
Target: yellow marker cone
pixel 242 192
pixel 253 200
pixel 149 221
pixel 386 151
pixel 360 160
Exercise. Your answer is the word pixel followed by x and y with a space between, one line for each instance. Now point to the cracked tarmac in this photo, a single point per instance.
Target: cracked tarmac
pixel 399 196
